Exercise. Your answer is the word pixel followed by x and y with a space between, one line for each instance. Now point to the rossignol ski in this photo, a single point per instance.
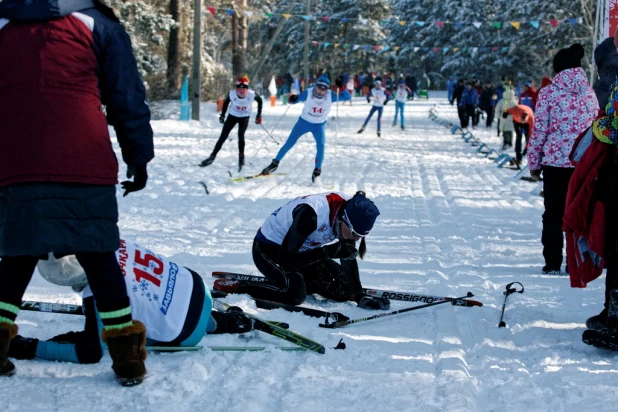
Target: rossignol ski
pixel 276 331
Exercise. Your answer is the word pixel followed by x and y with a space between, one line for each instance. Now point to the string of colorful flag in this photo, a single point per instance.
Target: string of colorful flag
pixel 415 49
pixel 326 19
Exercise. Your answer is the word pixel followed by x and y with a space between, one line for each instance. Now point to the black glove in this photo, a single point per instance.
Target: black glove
pixel 222 119
pixel 374 302
pixel 338 82
pixel 536 175
pixel 293 98
pixel 341 250
pixel 23 348
pixel 505 115
pixel 140 177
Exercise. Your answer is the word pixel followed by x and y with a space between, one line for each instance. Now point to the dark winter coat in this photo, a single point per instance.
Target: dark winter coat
pixel 469 98
pixel 606 58
pixel 486 102
pixel 458 93
pixel 60 61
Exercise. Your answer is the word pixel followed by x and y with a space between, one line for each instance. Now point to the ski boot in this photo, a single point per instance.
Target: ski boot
pixel 241 161
pixel 126 348
pixel 548 270
pixel 231 321
pixel 378 133
pixel 394 124
pixel 7 332
pixel 271 167
pixel 403 128
pixel 207 162
pixel 606 338
pixel 362 129
pixel 316 172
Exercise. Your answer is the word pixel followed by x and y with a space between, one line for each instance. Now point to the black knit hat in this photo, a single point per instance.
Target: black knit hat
pixel 569 58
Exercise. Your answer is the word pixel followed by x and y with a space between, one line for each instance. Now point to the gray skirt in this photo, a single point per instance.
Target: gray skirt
pixel 64 218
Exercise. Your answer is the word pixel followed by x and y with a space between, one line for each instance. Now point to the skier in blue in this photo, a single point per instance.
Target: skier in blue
pixel 380 97
pixel 401 95
pixel 450 88
pixel 318 101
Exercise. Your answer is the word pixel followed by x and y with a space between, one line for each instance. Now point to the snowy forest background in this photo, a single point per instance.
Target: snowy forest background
pixel 162 30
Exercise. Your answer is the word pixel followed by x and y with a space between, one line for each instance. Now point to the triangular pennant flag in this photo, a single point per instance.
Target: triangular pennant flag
pixel 325 18
pixel 326 45
pixel 376 48
pixel 497 24
pixel 336 45
pixel 420 23
pixel 455 49
pixel 516 24
pixel 573 21
pixel 477 24
pixel 249 14
pixel 315 43
pixel 554 23
pixel 386 48
pixel 465 49
pixel 446 49
pixel 402 22
pixel 211 10
pixel 483 49
pixel 475 49
pixel 494 49
pixel 435 49
pixel 505 49
pixel 345 20
pixel 356 47
pixel 230 12
pixel 269 15
pixel 416 49
pixel 307 18
pixel 286 15
pixel 426 49
pixel 534 24
pixel 440 23
pixel 363 21
pixel 459 25
pixel 347 46
pixel 383 21
pixel 396 48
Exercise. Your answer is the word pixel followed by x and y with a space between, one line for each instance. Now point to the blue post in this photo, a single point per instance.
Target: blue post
pixel 185 104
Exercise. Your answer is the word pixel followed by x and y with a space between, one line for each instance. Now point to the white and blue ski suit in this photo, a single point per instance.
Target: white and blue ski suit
pixel 380 97
pixel 312 120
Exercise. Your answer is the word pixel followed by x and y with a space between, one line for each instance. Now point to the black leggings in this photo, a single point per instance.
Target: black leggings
pixel 102 270
pixel 327 278
pixel 230 122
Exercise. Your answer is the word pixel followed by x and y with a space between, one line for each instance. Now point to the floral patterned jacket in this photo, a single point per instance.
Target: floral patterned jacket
pixel 564 109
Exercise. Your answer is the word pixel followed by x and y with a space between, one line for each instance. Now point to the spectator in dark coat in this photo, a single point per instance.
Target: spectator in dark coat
pixel 469 102
pixel 58 169
pixel 488 102
pixel 411 83
pixel 606 59
pixel 459 88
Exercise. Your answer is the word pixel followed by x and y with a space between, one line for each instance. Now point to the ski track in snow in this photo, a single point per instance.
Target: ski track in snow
pixel 451 222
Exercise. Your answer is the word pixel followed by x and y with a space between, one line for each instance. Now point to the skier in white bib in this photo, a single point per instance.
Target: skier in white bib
pixel 401 95
pixel 297 245
pixel 238 105
pixel 171 300
pixel 318 101
pixel 380 97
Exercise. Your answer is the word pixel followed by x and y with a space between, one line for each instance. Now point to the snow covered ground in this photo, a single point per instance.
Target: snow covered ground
pixel 451 222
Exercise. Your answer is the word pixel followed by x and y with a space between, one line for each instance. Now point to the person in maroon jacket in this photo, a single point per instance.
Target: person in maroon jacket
pixel 60 62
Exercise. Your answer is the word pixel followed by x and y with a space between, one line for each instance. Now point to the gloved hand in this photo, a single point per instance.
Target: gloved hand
pixel 331 251
pixel 222 119
pixel 505 115
pixel 293 98
pixel 258 120
pixel 386 102
pixel 536 175
pixel 23 348
pixel 374 302
pixel 140 177
pixel 338 82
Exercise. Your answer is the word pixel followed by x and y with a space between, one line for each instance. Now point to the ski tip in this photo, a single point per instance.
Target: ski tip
pixel 321 350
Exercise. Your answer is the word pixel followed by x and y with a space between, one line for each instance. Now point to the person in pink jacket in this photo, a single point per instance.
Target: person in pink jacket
pixel 564 109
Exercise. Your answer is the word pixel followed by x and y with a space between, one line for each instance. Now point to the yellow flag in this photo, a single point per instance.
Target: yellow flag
pixel 402 22
pixel 455 49
pixel 336 45
pixel 515 24
pixel 396 48
pixel 287 16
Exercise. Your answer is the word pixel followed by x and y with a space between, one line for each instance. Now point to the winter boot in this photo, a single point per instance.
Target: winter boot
pixel 207 162
pixel 378 133
pixel 241 161
pixel 597 322
pixel 603 339
pixel 316 172
pixel 7 332
pixel 362 129
pixel 403 128
pixel 548 270
pixel 271 167
pixel 126 348
pixel 394 124
pixel 232 321
pixel 226 285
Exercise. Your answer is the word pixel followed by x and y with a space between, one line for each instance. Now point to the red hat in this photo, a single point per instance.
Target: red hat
pixel 242 80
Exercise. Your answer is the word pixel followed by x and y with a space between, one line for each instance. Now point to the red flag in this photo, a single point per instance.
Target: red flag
pixel 211 10
pixel 440 23
pixel 435 49
pixel 554 23
pixel 325 18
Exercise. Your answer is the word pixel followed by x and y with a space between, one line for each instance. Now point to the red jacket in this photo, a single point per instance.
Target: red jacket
pixel 585 216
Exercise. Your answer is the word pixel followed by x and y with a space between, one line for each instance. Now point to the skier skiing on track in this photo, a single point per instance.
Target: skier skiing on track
pixel 401 95
pixel 172 301
pixel 380 97
pixel 318 101
pixel 296 246
pixel 239 102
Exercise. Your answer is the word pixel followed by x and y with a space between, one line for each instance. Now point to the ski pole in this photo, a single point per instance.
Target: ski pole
pixel 269 135
pixel 271 132
pixel 280 118
pixel 509 291
pixel 339 324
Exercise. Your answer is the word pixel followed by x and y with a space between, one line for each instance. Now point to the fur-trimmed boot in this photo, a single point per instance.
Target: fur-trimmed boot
pixel 7 332
pixel 126 348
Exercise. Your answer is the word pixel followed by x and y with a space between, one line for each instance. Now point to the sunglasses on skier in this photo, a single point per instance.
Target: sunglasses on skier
pixel 346 220
pixel 242 86
pixel 322 87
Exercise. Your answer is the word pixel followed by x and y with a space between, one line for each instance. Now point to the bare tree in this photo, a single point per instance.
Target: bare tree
pixel 174 50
